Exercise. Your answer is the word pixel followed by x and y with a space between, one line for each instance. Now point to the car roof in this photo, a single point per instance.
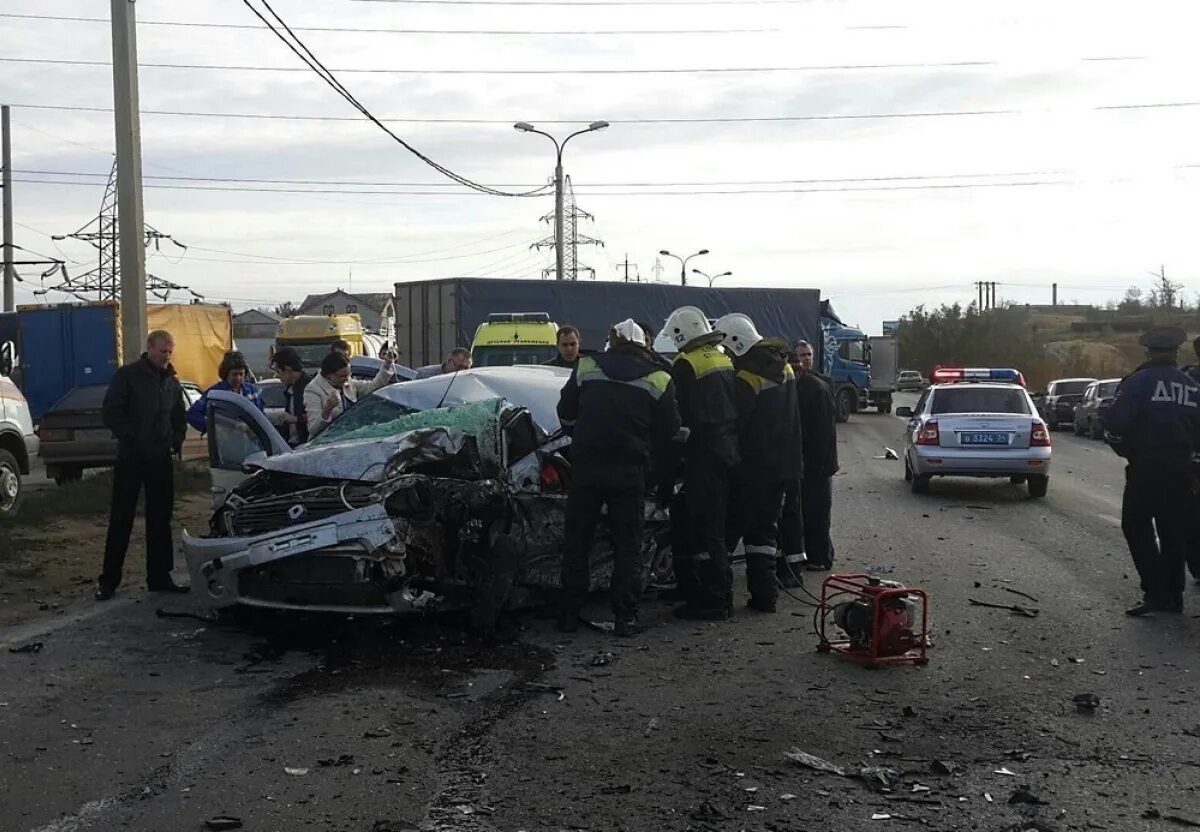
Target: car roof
pixel 1081 378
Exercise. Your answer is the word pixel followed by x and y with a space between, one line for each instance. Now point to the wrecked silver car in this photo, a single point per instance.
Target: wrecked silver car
pixel 442 493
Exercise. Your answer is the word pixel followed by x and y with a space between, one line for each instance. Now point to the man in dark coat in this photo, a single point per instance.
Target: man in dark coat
pixel 619 408
pixel 809 502
pixel 569 343
pixel 144 409
pixel 1154 423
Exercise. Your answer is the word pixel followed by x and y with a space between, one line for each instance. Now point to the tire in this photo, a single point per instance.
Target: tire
pixel 1017 479
pixel 67 475
pixel 908 472
pixel 845 405
pixel 920 484
pixel 1037 485
pixel 11 487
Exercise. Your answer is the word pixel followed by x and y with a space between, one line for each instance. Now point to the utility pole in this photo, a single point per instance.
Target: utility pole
pixel 129 179
pixel 979 290
pixel 10 272
pixel 625 267
pixel 1054 294
pixel 658 270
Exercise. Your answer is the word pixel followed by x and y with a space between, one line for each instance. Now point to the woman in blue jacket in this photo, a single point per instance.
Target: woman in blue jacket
pixel 233 371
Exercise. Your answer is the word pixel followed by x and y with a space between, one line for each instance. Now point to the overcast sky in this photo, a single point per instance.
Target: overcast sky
pixel 1024 178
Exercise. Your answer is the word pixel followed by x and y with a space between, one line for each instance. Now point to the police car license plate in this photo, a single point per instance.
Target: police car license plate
pixel 984 439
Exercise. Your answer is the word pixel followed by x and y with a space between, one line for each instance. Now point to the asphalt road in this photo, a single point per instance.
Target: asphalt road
pixel 129 721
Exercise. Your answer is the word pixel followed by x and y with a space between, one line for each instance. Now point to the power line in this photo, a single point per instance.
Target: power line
pixel 310 60
pixel 592 2
pixel 374 30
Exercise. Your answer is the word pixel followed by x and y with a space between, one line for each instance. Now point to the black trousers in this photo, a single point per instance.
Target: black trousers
pixel 816 504
pixel 703 571
pixel 792 546
pixel 758 506
pixel 158 478
pixel 619 487
pixel 1155 517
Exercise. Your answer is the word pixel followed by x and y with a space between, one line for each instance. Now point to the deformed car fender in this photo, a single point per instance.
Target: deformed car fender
pixel 214 563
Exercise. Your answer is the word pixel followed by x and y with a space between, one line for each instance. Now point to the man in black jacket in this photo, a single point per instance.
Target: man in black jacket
pixel 144 409
pixel 770 443
pixel 569 343
pixel 809 503
pixel 620 410
pixel 289 369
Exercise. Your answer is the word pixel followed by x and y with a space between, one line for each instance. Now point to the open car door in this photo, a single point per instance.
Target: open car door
pixel 236 431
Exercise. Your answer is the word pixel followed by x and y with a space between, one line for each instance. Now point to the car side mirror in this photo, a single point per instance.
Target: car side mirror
pixel 7 351
pixel 904 412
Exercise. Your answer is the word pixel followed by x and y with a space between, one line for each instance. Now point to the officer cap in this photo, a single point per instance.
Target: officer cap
pixel 1163 338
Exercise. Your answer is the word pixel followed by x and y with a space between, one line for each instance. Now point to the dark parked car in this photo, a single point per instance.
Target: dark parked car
pixel 1057 404
pixel 1089 413
pixel 74 438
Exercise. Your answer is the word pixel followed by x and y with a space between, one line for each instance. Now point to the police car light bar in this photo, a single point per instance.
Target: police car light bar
pixel 950 375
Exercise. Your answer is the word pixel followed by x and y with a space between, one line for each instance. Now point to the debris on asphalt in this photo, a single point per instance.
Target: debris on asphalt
pixel 30 647
pixel 295 772
pixel 1017 609
pixel 601 659
pixel 333 762
pixel 651 727
pixel 877 777
pixel 881 816
pixel 816 763
pixel 207 619
pixel 222 823
pixel 1086 702
pixel 377 733
pixel 787 796
pixel 1005 772
pixel 910 711
pixel 888 453
pixel 1024 795
pixel 1019 592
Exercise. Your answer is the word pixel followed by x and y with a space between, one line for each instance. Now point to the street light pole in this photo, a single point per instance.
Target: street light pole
pixel 712 278
pixel 683 261
pixel 559 248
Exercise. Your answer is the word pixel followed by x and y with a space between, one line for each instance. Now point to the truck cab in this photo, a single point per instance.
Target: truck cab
pixel 506 339
pixel 311 335
pixel 846 359
pixel 18 443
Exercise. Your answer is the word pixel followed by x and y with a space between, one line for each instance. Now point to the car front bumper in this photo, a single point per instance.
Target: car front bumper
pixel 971 462
pixel 339 564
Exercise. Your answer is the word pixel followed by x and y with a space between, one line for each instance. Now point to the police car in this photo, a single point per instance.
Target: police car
pixel 976 423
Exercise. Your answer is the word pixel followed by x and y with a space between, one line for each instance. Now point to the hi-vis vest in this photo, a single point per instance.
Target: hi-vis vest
pixel 758 384
pixel 655 383
pixel 713 402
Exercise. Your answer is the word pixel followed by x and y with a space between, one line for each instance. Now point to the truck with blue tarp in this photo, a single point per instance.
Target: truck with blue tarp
pixel 846 358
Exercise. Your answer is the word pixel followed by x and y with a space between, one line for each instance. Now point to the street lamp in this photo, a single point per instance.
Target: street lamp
pixel 526 127
pixel 683 261
pixel 711 277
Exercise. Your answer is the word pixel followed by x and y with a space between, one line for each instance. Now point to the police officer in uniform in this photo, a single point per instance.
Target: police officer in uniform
pixel 770 441
pixel 703 377
pixel 1154 423
pixel 1193 553
pixel 619 408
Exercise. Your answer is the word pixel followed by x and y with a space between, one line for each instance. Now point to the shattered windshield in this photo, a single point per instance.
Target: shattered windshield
pixel 367 412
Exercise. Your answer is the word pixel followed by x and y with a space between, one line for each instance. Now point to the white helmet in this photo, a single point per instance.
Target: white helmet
pixel 739 331
pixel 629 330
pixel 685 324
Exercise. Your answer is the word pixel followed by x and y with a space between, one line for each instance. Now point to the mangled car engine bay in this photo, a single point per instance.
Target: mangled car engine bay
pixel 457 507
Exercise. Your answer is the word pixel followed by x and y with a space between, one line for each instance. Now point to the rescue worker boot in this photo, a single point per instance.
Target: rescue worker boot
pixel 790 573
pixel 1150 606
pixel 760 580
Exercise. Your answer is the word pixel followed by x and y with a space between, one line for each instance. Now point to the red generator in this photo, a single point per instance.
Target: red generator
pixel 879 620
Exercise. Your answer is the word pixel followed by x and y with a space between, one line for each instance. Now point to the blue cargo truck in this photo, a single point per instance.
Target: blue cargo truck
pixel 64 346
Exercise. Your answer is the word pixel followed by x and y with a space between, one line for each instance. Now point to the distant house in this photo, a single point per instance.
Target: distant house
pixel 255 323
pixel 372 307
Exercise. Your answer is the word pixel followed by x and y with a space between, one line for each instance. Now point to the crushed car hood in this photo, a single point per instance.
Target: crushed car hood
pixel 367 460
pixel 534 387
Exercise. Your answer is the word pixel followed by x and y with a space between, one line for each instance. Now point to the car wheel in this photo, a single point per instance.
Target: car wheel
pixel 908 474
pixel 10 484
pixel 66 475
pixel 1038 485
pixel 920 483
pixel 845 404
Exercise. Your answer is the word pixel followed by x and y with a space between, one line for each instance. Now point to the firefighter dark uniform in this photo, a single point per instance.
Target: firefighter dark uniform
pixel 1154 423
pixel 620 410
pixel 704 385
pixel 769 436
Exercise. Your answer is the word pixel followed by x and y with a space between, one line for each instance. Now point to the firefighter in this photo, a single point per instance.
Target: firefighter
pixel 703 377
pixel 770 442
pixel 1193 553
pixel 1154 423
pixel 620 410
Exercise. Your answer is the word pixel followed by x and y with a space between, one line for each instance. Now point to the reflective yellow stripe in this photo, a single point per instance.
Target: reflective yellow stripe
pixel 655 383
pixel 706 360
pixel 758 383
